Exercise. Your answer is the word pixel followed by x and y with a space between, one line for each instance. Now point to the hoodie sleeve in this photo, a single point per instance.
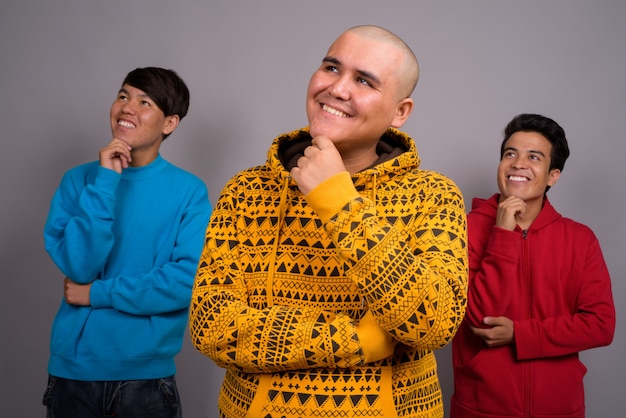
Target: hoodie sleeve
pixel 414 279
pixel 225 325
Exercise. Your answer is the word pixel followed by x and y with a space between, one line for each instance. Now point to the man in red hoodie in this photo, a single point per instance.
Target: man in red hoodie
pixel 539 289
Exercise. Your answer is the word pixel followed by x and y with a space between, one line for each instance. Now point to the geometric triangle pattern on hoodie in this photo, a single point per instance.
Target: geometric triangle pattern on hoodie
pixel 284 280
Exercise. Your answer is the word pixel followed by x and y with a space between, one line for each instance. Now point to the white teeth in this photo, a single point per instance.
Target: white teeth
pixel 335 112
pixel 125 124
pixel 518 178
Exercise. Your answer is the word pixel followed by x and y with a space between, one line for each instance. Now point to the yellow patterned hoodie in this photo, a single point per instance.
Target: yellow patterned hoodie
pixel 285 281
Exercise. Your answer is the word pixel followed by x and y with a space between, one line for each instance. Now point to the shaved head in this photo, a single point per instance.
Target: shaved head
pixel 408 71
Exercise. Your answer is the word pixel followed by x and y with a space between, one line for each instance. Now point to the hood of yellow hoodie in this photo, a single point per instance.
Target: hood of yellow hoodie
pixel 396 151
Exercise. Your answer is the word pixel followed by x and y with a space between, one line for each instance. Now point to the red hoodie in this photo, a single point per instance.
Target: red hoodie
pixel 552 281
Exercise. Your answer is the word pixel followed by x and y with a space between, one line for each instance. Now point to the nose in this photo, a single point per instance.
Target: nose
pixel 518 162
pixel 128 107
pixel 340 88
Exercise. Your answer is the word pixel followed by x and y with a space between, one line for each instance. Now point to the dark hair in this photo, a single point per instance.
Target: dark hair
pixel 165 87
pixel 548 128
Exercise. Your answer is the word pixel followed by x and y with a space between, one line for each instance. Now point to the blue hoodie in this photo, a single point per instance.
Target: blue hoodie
pixel 136 237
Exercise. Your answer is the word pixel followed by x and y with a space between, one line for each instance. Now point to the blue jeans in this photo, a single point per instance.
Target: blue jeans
pixel 157 398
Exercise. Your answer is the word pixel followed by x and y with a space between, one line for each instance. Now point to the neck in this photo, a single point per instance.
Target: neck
pixel 141 159
pixel 355 162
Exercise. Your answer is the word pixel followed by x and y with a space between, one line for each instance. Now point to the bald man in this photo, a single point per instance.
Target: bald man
pixel 331 273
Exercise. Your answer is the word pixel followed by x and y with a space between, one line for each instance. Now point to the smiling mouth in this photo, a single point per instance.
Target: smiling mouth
pixel 125 124
pixel 518 178
pixel 335 112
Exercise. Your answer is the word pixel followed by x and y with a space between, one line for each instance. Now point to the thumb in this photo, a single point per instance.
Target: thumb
pixel 322 142
pixel 488 320
pixel 376 343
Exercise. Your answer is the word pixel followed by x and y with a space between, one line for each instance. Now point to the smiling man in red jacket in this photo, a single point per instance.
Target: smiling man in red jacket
pixel 539 289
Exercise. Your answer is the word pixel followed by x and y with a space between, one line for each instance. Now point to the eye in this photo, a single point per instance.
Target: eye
pixel 363 81
pixel 331 69
pixel 122 97
pixel 145 103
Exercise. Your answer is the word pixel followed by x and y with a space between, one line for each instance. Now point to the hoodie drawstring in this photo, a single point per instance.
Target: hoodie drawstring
pixel 374 183
pixel 282 206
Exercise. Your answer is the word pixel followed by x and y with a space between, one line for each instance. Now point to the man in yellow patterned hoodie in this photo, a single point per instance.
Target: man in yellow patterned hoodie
pixel 331 273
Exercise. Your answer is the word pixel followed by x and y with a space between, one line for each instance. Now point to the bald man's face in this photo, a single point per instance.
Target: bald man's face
pixel 354 96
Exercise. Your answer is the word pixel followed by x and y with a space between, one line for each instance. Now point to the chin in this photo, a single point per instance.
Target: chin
pixel 316 130
pixel 326 128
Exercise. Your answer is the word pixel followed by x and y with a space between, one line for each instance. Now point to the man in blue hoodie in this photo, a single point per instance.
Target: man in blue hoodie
pixel 126 231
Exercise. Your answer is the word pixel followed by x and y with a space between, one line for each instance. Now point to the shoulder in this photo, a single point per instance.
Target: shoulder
pixel 183 175
pixel 81 174
pixel 179 185
pixel 431 183
pixel 484 207
pixel 578 229
pixel 429 178
pixel 254 177
pixel 569 226
pixel 82 169
pixel 423 190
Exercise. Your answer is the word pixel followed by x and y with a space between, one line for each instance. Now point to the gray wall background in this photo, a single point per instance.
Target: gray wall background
pixel 247 65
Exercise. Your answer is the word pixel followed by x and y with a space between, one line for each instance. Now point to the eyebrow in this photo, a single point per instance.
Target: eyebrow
pixel 362 73
pixel 530 151
pixel 123 90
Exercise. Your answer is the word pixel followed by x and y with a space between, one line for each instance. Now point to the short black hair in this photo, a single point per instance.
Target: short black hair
pixel 165 87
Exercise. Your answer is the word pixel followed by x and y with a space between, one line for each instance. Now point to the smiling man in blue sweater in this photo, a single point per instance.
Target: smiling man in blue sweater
pixel 127 232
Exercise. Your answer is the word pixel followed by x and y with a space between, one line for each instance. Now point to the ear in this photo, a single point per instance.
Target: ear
pixel 554 176
pixel 171 123
pixel 403 110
